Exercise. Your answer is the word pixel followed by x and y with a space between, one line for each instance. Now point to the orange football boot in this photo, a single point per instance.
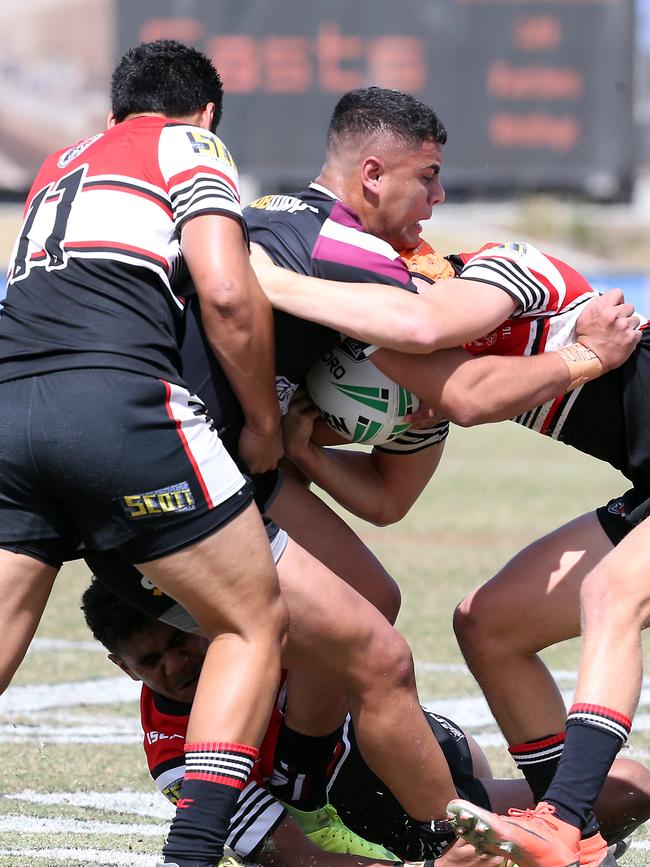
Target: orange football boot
pixel 530 838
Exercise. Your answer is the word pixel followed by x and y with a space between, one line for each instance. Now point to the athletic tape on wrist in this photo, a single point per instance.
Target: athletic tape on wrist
pixel 583 364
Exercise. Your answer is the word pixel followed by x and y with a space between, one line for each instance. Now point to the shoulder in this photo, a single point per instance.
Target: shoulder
pixel 184 148
pixel 347 251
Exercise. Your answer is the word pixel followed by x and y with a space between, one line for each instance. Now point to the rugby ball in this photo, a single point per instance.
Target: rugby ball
pixel 356 399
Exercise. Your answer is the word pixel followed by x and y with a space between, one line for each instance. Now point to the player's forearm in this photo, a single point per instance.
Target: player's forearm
pixel 450 313
pixel 495 388
pixel 350 477
pixel 371 312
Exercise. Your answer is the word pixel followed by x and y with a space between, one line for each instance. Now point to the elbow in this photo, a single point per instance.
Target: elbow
pixel 465 410
pixel 224 299
pixel 387 513
pixel 232 300
pixel 423 335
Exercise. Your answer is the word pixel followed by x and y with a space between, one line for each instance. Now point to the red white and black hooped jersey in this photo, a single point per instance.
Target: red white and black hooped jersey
pixel 314 233
pixel 96 272
pixel 605 417
pixel 164 723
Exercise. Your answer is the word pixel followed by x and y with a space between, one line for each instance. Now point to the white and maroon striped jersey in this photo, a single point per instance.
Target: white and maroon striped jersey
pixel 96 275
pixel 313 232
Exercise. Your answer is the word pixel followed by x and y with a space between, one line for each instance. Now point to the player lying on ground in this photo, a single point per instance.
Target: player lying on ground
pixel 543 584
pixel 168 662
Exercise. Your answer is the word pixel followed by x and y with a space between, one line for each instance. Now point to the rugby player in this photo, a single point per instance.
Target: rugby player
pixel 103 444
pixel 369 200
pixel 541 587
pixel 168 661
pixel 590 571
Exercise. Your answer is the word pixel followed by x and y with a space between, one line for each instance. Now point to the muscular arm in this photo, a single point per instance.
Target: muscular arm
pixel 377 486
pixel 238 322
pixel 447 314
pixel 476 390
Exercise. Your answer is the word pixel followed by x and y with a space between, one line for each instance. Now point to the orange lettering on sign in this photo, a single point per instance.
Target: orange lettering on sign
pixel 397 61
pixel 237 59
pixel 286 63
pixel 535 130
pixel 537 82
pixel 333 61
pixel 537 33
pixel 332 50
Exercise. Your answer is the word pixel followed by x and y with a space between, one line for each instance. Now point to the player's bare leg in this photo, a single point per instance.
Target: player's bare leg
pixel 317 528
pixel 316 706
pixel 25 586
pixel 615 602
pixel 532 603
pixel 237 603
pixel 336 632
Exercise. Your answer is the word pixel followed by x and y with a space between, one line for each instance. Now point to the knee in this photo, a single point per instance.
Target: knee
pixel 390 661
pixel 473 625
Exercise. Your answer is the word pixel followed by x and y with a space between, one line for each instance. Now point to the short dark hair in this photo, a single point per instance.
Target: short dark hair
pixel 371 110
pixel 111 620
pixel 165 76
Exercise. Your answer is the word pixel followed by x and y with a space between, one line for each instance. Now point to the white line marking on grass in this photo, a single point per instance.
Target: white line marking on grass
pixel 86 856
pixel 124 801
pixel 44 645
pixel 461 668
pixel 45 825
pixel 473 711
pixel 118 733
pixel 106 690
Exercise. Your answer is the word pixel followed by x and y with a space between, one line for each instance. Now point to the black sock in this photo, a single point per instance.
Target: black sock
pixel 215 774
pixel 538 761
pixel 301 768
pixel 594 736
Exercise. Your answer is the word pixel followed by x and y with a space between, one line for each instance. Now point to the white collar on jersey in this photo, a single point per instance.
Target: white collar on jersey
pixel 322 189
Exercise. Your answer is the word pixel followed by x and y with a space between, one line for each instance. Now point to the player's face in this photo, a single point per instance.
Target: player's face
pixel 410 187
pixel 166 659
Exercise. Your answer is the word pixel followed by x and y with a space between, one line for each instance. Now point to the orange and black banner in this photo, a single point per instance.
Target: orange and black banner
pixel 534 93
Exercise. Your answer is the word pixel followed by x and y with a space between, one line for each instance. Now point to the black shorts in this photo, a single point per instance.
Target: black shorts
pixel 113 459
pixel 623 513
pixel 368 807
pixel 127 582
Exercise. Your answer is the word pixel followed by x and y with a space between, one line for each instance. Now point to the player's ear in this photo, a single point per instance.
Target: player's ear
pixel 207 116
pixel 372 170
pixel 110 119
pixel 116 660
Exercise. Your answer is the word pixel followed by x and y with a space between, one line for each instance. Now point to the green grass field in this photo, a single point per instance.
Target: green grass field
pixel 76 791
